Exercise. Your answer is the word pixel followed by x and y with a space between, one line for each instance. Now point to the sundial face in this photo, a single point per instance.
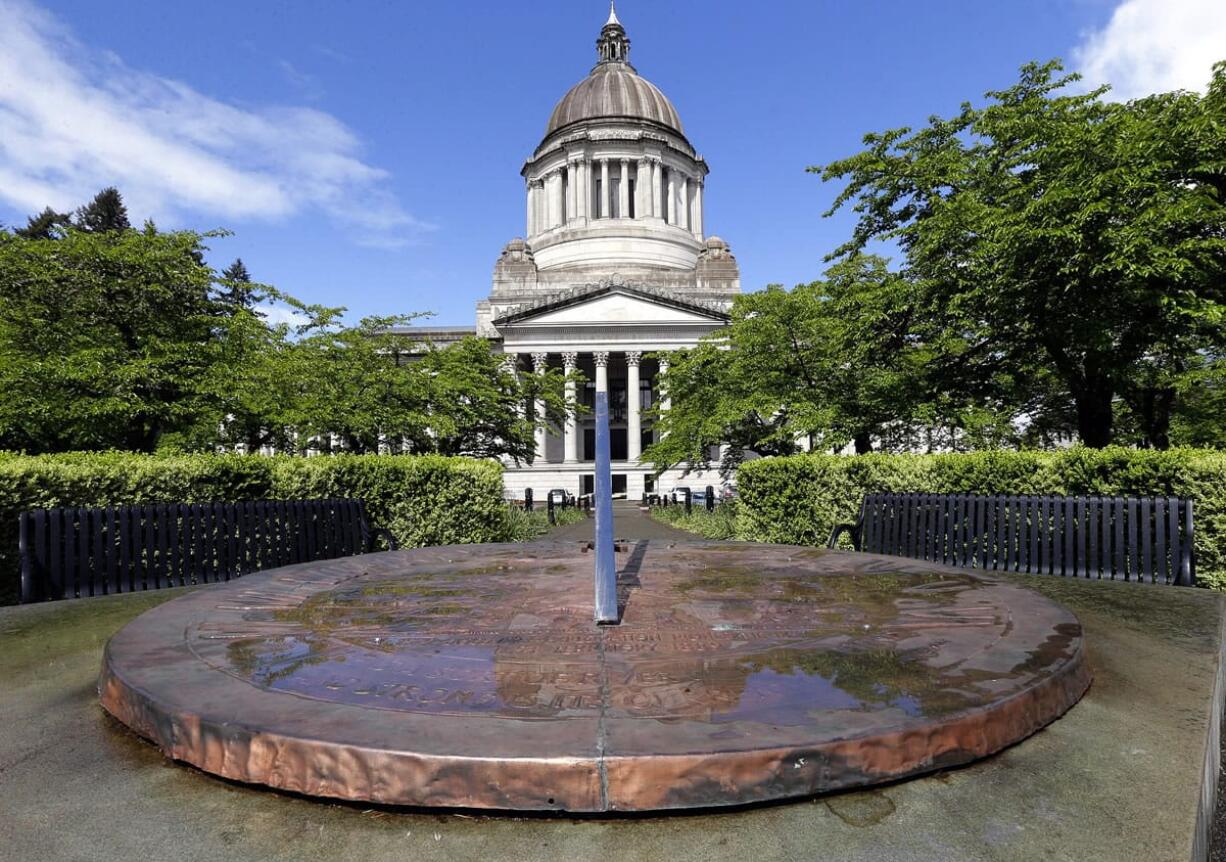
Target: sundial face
pixel 732 652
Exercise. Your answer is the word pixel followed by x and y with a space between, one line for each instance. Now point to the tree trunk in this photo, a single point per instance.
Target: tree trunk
pixel 1094 415
pixel 864 443
pixel 1153 409
pixel 141 438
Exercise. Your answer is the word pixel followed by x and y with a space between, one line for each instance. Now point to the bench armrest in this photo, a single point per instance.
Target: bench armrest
pixel 376 532
pixel 852 530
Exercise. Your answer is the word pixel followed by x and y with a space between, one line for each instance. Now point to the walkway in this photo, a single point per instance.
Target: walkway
pixel 629 523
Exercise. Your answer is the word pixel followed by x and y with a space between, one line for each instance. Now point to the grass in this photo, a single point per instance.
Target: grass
pixel 521 526
pixel 717 524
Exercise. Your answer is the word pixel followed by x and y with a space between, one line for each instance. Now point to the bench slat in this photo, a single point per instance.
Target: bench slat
pixel 1119 538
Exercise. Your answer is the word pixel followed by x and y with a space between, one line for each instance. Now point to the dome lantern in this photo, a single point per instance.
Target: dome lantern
pixel 613 46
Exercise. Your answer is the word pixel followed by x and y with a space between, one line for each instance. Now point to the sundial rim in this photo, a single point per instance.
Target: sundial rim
pixel 474 677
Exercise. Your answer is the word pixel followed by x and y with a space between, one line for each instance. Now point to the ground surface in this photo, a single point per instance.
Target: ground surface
pixel 1116 779
pixel 629 523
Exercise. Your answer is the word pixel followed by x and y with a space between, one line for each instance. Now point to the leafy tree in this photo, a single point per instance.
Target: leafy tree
pixel 371 388
pixel 1060 237
pixel 258 383
pixel 104 338
pixel 106 212
pixel 835 361
pixel 1201 400
pixel 476 404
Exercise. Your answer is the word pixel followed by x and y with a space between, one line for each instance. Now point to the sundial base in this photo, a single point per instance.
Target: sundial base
pixel 474 677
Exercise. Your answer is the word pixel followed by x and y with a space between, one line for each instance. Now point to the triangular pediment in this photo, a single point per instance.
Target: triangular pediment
pixel 612 303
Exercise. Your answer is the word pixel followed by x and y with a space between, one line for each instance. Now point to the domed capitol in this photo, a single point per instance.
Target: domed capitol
pixel 614 266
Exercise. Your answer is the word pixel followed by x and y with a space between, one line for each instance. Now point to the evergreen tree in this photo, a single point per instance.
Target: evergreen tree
pixel 237 291
pixel 106 212
pixel 44 225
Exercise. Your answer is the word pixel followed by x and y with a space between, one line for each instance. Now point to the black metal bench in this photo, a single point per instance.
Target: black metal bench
pixel 1134 539
pixel 71 553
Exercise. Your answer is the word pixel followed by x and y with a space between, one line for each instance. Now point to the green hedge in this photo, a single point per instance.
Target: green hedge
pixel 423 500
pixel 798 499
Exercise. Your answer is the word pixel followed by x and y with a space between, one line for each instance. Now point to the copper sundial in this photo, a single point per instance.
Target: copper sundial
pixel 474 676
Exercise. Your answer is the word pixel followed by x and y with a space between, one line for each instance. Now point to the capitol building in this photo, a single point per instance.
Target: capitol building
pixel 615 270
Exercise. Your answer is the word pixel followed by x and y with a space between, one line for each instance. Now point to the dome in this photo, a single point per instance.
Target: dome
pixel 614 90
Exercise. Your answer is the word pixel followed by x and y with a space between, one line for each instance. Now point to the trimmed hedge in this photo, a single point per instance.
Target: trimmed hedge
pixel 423 500
pixel 799 499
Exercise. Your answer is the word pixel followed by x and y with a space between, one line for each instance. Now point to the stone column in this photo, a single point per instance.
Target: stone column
pixel 546 203
pixel 540 361
pixel 656 190
pixel 604 188
pixel 602 370
pixel 671 211
pixel 623 191
pixel 582 193
pixel 541 216
pixel 572 208
pixel 643 189
pixel 510 364
pixel 570 431
pixel 683 199
pixel 665 402
pixel 529 226
pixel 697 225
pixel 558 212
pixel 634 424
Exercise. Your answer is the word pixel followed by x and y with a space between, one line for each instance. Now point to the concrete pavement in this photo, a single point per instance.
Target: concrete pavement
pixel 1117 778
pixel 629 523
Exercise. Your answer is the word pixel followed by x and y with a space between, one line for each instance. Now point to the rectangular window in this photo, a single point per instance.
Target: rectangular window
pixel 615 201
pixel 632 213
pixel 596 213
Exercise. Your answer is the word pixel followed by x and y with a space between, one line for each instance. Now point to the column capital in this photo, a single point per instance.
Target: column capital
pixel 540 361
pixel 570 360
pixel 634 357
pixel 510 361
pixel 601 358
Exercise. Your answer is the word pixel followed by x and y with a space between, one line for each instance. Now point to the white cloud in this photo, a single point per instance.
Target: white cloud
pixel 74 120
pixel 1155 46
pixel 278 314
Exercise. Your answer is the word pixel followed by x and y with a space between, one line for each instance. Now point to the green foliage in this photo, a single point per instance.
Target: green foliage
pixel 118 339
pixel 1070 251
pixel 830 361
pixel 721 523
pixel 799 499
pixel 45 225
pixel 106 339
pixel 522 526
pixel 423 500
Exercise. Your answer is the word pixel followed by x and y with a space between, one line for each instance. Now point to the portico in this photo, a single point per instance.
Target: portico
pixel 614 271
pixel 618 338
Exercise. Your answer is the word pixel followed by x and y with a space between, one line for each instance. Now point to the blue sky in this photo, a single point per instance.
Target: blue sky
pixel 368 154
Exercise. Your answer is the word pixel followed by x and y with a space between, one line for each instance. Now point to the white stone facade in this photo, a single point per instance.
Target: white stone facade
pixel 614 271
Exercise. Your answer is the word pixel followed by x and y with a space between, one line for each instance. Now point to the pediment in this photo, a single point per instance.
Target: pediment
pixel 618 304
